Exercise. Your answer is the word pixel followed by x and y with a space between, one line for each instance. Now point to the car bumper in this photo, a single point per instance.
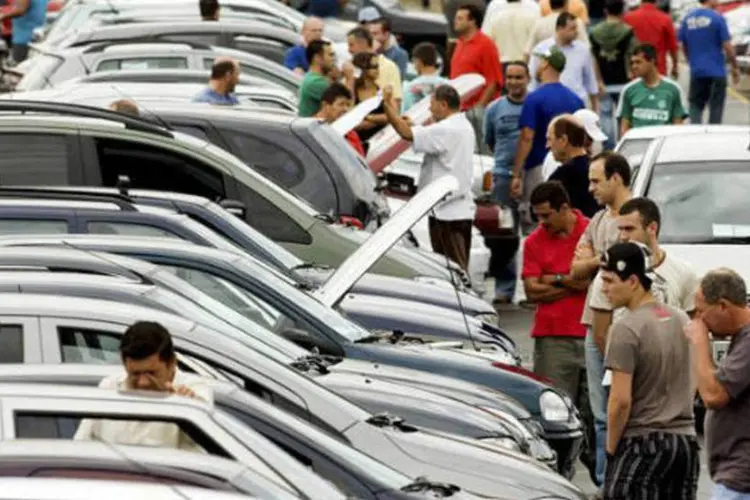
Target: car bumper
pixel 568 448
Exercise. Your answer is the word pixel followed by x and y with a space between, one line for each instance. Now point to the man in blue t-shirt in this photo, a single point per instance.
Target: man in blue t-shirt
pixel 27 15
pixel 705 40
pixel 225 73
pixel 549 100
pixel 295 57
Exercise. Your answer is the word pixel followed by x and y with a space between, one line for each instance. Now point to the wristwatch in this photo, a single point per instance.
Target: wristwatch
pixel 558 280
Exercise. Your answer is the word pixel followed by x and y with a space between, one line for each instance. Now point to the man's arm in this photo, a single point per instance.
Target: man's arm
pixel 585 261
pixel 618 408
pixel 729 50
pixel 537 291
pixel 731 379
pixel 525 141
pixel 400 125
pixel 673 48
pixel 489 127
pixel 591 82
pixel 600 323
pixel 19 8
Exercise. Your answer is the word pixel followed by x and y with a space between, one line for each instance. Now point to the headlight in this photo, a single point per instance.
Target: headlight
pixel 553 407
pixel 505 443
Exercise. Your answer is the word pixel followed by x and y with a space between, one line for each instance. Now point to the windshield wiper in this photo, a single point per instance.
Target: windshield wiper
pixel 310 265
pixel 319 362
pixel 422 484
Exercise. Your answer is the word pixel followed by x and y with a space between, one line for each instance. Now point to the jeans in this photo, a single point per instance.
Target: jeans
pixel 607 118
pixel 707 91
pixel 505 281
pixel 721 492
pixel 598 401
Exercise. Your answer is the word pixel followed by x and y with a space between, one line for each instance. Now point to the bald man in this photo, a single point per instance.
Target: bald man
pixel 225 73
pixel 295 58
pixel 125 106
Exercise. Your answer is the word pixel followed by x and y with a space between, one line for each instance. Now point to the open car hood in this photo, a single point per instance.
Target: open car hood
pixel 359 262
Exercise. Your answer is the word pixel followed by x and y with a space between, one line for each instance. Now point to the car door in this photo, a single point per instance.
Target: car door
pixel 80 340
pixel 20 339
pixel 16 220
pixel 40 158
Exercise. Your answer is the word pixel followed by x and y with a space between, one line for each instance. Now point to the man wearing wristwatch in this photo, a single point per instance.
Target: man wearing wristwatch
pixel 560 299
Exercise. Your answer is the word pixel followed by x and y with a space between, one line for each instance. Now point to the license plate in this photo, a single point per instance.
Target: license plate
pixel 720 348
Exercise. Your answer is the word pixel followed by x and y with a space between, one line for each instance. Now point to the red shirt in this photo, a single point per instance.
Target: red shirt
pixel 654 27
pixel 478 54
pixel 352 137
pixel 547 253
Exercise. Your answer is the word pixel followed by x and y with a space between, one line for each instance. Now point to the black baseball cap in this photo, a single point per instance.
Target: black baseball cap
pixel 628 259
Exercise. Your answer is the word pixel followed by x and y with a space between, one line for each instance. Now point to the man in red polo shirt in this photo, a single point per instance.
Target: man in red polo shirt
pixel 654 27
pixel 475 52
pixel 560 299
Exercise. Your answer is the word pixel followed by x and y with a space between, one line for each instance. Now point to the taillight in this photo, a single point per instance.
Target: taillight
pixel 350 221
pixel 487 182
pixel 522 371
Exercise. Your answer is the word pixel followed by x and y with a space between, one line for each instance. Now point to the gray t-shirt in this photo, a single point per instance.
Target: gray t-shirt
pixel 601 234
pixel 728 429
pixel 649 343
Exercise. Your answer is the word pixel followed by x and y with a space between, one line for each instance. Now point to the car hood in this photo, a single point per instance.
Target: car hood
pixel 703 258
pixel 352 269
pixel 475 468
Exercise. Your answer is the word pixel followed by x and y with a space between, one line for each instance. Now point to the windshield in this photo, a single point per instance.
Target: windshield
pixel 702 203
pixel 38 75
pixel 72 17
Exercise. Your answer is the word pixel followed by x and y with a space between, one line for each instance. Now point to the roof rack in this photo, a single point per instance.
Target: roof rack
pixel 123 202
pixel 99 46
pixel 130 122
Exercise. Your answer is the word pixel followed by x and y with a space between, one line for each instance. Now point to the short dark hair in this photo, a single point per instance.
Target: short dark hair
pixel 144 339
pixel 552 192
pixel 361 33
pixel 617 164
pixel 426 53
pixel 724 283
pixel 647 209
pixel 557 4
pixel 334 91
pixel 614 7
pixel 385 24
pixel 518 62
pixel 208 8
pixel 570 128
pixel 476 13
pixel 563 19
pixel 448 95
pixel 314 48
pixel 125 106
pixel 646 50
pixel 222 68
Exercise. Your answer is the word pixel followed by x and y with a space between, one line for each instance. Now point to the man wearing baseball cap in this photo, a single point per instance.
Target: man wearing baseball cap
pixel 592 143
pixel 652 451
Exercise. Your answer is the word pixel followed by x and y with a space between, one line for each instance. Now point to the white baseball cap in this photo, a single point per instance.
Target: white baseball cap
pixel 590 122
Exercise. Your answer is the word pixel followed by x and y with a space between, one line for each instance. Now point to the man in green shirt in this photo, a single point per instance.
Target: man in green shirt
pixel 651 99
pixel 320 55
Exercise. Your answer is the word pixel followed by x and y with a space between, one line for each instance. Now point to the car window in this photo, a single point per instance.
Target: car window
pixel 195 131
pixel 11 344
pixel 82 345
pixel 210 39
pixel 34 159
pixel 129 229
pixel 31 226
pixel 267 158
pixel 156 168
pixel 143 63
pixel 248 70
pixel 264 47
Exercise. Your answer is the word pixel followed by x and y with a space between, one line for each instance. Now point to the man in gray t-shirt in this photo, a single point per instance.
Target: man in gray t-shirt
pixel 652 451
pixel 721 306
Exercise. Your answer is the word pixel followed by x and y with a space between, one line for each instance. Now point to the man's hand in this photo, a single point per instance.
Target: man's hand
pixel 735 76
pixel 516 187
pixel 584 251
pixel 347 69
pixel 697 332
pixel 180 390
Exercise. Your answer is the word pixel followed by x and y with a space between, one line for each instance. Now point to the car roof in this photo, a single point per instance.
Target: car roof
pixel 656 131
pixel 725 146
pixel 135 193
pixel 56 259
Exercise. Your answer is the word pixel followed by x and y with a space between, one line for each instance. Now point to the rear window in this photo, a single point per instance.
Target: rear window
pixel 135 63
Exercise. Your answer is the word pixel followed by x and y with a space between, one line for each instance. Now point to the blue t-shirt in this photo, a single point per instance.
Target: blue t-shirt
pixel 539 109
pixel 24 26
pixel 296 58
pixel 398 56
pixel 210 96
pixel 419 88
pixel 703 33
pixel 501 132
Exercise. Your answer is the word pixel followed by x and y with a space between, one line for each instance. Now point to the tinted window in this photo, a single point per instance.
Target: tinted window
pixel 200 38
pixel 264 47
pixel 30 226
pixel 81 345
pixel 34 159
pixel 272 222
pixel 268 159
pixel 265 75
pixel 11 344
pixel 143 63
pixel 155 168
pixel 129 229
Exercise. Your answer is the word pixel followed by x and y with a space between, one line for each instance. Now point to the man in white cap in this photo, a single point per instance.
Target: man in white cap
pixel 593 143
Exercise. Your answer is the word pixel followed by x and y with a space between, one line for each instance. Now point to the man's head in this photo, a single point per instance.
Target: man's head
pixel 225 73
pixel 335 102
pixel 359 40
pixel 312 29
pixel 209 9
pixel 367 15
pixel 625 268
pixel 125 106
pixel 721 300
pixel 319 55
pixel 609 176
pixel 148 356
pixel 380 31
pixel 551 64
pixel 517 79
pixel 643 60
pixel 614 7
pixel 565 137
pixel 551 204
pixel 444 102
pixel 566 28
pixel 424 56
pixel 639 220
pixel 468 19
pixel 709 4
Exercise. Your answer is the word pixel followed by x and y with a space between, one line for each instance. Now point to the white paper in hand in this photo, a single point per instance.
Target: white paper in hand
pixel 607 379
pixel 355 116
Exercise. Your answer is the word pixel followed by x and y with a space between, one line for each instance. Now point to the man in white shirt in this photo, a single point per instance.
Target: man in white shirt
pixel 150 364
pixel 448 147
pixel 510 28
pixel 545 27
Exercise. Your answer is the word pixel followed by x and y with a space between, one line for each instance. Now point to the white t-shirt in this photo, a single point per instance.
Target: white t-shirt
pixel 448 148
pixel 141 433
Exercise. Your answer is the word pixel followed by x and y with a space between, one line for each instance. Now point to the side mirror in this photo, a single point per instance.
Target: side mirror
pixel 300 337
pixel 234 207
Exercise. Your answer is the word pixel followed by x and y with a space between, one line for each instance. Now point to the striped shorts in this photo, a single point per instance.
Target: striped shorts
pixel 657 466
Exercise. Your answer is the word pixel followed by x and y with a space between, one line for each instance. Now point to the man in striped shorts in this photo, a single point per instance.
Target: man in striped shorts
pixel 652 452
